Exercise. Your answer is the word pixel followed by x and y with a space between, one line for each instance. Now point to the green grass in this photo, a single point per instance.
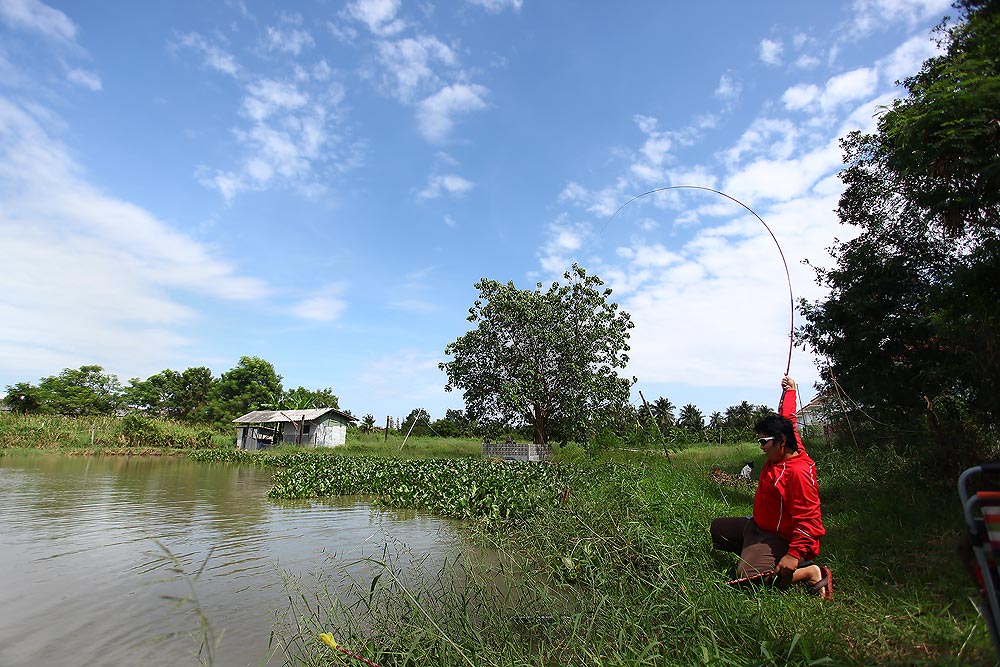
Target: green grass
pixel 105 435
pixel 416 447
pixel 623 574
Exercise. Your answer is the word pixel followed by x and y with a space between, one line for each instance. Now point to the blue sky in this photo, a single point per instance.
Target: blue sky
pixel 321 183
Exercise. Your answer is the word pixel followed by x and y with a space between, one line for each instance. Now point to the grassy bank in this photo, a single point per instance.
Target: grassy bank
pixel 622 574
pixel 131 435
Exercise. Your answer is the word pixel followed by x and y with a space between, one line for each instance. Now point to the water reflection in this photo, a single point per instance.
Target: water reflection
pixel 86 567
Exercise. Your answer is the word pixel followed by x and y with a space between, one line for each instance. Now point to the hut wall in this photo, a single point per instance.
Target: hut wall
pixel 330 433
pixel 290 433
pixel 247 437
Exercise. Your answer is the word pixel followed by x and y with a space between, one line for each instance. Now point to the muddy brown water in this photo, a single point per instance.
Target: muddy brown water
pixel 86 549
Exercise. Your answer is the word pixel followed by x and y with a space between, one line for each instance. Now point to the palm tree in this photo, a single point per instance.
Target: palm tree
pixel 691 419
pixel 663 411
pixel 367 424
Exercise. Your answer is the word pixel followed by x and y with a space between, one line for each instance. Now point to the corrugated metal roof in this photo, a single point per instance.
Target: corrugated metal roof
pixel 277 416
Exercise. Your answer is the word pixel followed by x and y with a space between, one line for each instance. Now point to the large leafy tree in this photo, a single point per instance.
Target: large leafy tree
pixel 252 384
pixel 418 420
pixel 87 390
pixel 25 398
pixel 169 393
pixel 911 326
pixel 547 358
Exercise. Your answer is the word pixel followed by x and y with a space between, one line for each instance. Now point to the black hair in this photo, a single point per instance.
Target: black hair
pixel 780 429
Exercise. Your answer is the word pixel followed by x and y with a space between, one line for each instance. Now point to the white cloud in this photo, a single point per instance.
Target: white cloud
pixel 838 90
pixel 807 61
pixel 88 277
pixel 801 96
pixel 787 178
pixel 325 305
pixel 434 114
pixel 88 80
pixel 407 63
pixel 728 89
pixel 213 56
pixel 907 58
pixel 602 202
pixel 849 87
pixel 292 127
pixel 774 138
pixel 378 15
pixel 656 148
pixel 715 311
pixel 770 51
pixel 266 97
pixel 445 184
pixel 497 6
pixel 870 15
pixel 38 17
pixel 287 39
pixel 564 238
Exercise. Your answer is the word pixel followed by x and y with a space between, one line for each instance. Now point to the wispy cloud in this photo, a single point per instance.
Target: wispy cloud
pixel 564 238
pixel 770 51
pixel 497 6
pixel 292 128
pixel 38 17
pixel 712 264
pixel 435 114
pixel 111 269
pixel 378 15
pixel 408 64
pixel 907 58
pixel 870 15
pixel 451 184
pixel 289 36
pixel 88 80
pixel 324 305
pixel 213 56
pixel 729 88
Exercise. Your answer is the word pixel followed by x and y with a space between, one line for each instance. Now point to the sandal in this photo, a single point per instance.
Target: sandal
pixel 824 587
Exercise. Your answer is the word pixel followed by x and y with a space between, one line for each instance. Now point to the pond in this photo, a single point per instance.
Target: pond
pixel 90 547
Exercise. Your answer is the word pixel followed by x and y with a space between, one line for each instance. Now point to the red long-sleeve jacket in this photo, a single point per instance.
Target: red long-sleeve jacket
pixel 787 498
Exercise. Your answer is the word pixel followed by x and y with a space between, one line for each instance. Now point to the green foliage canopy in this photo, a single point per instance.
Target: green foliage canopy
pixel 546 358
pixel 87 390
pixel 252 384
pixel 419 420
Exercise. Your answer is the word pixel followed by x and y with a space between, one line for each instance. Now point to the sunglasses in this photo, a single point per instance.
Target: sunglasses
pixel 763 441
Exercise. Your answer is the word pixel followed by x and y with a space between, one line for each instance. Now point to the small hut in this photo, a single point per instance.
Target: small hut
pixel 319 427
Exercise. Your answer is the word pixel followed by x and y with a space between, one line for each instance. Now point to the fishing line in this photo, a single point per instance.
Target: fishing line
pixel 788 276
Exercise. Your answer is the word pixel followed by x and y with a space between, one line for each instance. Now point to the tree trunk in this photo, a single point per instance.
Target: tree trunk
pixel 539 423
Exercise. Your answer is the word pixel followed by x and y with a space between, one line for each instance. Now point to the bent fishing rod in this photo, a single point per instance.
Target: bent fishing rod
pixel 788 276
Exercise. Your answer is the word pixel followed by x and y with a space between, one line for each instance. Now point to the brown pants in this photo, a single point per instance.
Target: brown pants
pixel 758 551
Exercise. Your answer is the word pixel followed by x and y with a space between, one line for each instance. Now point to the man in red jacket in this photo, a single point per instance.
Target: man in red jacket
pixel 786 525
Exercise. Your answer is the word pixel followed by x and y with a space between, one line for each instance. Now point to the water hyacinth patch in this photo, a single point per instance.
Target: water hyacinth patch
pixel 458 488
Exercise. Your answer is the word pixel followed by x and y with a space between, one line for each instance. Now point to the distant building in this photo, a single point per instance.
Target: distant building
pixel 815 413
pixel 319 427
